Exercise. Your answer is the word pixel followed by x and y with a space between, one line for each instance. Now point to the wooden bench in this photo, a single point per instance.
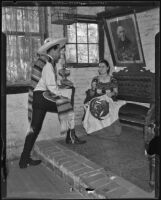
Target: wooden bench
pixel 139 87
pixel 135 87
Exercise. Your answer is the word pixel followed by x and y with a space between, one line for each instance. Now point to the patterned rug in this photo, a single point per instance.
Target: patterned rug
pixel 123 154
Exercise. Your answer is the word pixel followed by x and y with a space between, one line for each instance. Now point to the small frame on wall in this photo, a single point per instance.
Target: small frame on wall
pixel 124 41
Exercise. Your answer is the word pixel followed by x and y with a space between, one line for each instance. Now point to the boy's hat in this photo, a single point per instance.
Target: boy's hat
pixel 49 42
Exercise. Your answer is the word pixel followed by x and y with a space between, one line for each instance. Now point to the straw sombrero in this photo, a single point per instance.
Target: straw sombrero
pixel 49 42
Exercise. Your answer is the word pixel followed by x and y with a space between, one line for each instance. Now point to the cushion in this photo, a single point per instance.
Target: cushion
pixel 133 111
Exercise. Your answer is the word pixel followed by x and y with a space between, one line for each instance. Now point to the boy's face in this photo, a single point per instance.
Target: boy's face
pixel 56 53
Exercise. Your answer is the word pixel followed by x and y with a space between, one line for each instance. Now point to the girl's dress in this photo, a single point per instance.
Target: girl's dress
pixel 100 110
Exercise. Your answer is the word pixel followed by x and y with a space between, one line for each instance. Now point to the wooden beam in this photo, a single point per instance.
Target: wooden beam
pixel 123 10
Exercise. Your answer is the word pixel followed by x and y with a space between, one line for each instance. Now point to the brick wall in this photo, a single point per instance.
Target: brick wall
pixel 148 23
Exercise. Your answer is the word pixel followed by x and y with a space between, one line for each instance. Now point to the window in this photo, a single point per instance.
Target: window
pixel 82 47
pixel 21 26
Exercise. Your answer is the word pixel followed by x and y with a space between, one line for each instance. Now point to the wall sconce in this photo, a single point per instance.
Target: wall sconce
pixel 63 15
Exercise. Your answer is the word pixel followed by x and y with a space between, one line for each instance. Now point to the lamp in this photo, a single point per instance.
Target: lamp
pixel 63 15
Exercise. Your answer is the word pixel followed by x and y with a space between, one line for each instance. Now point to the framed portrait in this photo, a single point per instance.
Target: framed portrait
pixel 124 41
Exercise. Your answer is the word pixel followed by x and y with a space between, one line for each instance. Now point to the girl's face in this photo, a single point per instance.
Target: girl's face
pixel 94 84
pixel 102 68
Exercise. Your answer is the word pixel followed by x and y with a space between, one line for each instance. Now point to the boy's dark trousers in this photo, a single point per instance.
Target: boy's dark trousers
pixel 40 107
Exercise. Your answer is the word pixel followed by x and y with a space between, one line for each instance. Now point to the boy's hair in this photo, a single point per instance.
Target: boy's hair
pixel 53 47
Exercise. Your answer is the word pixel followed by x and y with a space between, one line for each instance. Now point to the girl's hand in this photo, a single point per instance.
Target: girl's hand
pixel 108 92
pixel 99 91
pixel 93 85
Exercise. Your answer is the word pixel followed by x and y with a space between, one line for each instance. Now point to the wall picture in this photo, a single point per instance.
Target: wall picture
pixel 124 39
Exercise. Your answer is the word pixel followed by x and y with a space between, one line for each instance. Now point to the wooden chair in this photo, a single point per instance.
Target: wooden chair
pixel 152 144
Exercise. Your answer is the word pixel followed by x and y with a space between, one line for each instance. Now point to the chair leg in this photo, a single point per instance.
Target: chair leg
pixel 157 176
pixel 152 171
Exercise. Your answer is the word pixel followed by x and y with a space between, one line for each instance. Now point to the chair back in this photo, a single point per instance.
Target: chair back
pixel 136 86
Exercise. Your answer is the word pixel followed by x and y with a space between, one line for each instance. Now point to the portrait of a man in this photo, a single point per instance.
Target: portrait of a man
pixel 125 42
pixel 126 49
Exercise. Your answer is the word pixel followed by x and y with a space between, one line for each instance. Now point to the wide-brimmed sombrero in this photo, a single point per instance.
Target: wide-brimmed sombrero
pixel 49 42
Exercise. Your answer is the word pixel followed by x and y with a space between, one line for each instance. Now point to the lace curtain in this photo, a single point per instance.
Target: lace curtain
pixel 24 36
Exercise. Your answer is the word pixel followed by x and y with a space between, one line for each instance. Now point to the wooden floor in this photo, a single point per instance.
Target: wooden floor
pixel 37 182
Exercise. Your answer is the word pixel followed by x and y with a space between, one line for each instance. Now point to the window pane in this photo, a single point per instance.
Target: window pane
pixel 20 58
pixel 82 53
pixel 9 18
pixel 71 33
pixel 33 21
pixel 71 53
pixel 81 33
pixel 21 48
pixel 22 51
pixel 19 20
pixel 11 59
pixel 4 19
pixel 93 53
pixel 35 45
pixel 87 52
pixel 93 33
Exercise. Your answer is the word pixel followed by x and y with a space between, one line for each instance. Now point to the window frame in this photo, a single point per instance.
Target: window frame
pixel 88 19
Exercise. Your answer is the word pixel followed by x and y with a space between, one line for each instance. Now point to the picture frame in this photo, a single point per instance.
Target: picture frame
pixel 124 41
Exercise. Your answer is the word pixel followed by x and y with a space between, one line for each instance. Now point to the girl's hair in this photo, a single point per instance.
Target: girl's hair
pixel 106 63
